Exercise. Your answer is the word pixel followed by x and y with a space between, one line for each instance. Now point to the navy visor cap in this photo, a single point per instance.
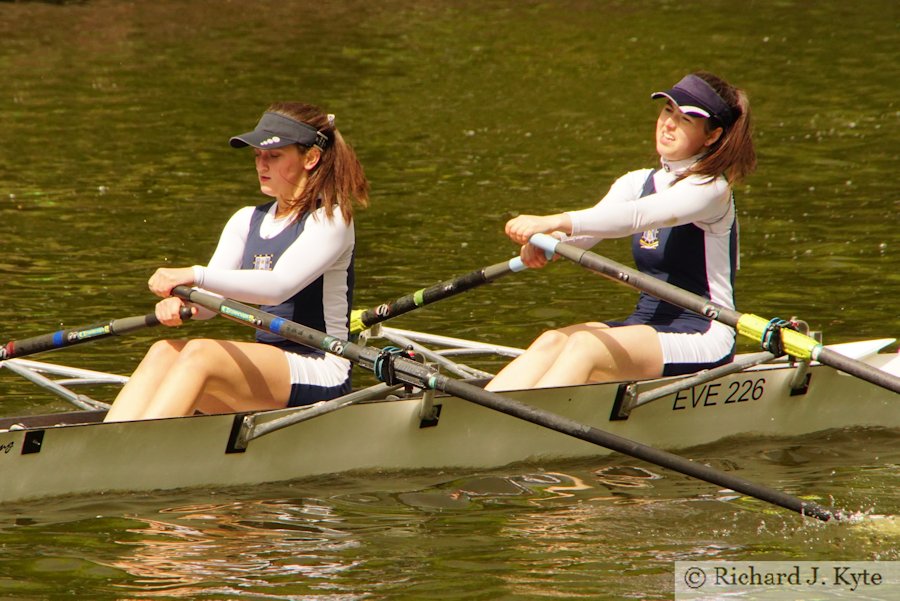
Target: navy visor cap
pixel 275 131
pixel 693 96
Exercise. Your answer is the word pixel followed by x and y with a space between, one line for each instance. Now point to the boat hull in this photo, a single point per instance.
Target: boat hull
pixel 199 451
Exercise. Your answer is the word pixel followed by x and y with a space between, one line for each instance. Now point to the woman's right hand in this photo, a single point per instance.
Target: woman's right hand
pixel 532 256
pixel 168 311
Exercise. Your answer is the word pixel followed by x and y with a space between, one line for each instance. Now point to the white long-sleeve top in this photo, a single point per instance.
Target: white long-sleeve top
pixel 704 265
pixel 623 212
pixel 323 249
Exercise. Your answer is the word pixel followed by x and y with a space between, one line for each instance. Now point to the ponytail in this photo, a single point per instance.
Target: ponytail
pixel 732 155
pixel 338 179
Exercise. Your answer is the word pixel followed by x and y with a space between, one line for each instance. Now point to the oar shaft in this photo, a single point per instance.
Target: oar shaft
pixel 631 448
pixel 418 374
pixel 73 336
pixel 861 370
pixel 261 320
pixel 637 280
pixel 794 343
pixel 360 320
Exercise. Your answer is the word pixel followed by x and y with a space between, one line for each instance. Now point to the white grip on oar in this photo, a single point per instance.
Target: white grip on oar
pixel 516 265
pixel 545 242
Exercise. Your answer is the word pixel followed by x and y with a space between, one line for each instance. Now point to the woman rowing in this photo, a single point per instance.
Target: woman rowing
pixel 682 220
pixel 293 256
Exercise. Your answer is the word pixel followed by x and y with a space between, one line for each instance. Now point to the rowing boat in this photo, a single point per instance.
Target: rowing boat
pixel 445 422
pixel 405 427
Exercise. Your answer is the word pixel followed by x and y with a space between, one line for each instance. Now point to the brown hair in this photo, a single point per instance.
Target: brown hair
pixel 338 179
pixel 732 154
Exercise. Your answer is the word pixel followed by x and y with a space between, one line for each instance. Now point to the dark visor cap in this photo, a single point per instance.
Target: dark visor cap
pixel 693 96
pixel 275 131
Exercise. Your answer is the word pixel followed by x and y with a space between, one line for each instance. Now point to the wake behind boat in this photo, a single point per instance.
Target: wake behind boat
pixel 403 427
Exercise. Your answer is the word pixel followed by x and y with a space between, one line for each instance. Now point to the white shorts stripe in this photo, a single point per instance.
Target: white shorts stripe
pixel 318 370
pixel 695 348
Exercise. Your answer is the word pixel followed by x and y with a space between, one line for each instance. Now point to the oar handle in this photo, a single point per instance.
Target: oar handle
pixel 362 319
pixel 80 335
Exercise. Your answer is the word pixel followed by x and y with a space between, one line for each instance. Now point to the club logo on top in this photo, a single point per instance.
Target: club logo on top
pixel 263 262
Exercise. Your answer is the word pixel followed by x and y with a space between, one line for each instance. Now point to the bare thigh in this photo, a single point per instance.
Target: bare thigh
pixel 595 352
pixel 241 376
pixel 631 352
pixel 589 326
pixel 219 376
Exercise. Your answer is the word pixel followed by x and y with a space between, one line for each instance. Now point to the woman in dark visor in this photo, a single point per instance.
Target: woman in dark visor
pixel 683 225
pixel 293 256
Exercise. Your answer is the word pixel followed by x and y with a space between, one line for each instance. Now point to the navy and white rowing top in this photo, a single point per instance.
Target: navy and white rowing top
pixel 301 270
pixel 684 234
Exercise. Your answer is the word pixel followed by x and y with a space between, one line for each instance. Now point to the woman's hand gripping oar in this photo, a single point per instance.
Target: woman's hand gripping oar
pixel 73 336
pixel 772 334
pixel 361 319
pixel 392 367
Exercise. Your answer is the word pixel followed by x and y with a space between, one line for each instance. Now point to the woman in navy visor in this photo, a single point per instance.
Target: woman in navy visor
pixel 293 255
pixel 682 222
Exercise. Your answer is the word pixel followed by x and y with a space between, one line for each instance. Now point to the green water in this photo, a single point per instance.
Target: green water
pixel 115 119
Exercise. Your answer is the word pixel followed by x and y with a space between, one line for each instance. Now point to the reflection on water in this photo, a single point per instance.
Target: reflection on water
pixel 241 545
pixel 625 477
pixel 512 533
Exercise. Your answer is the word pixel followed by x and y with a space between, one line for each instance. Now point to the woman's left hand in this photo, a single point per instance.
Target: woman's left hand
pixel 166 278
pixel 168 311
pixel 520 229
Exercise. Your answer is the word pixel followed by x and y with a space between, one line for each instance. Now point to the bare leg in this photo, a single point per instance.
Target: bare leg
pixel 606 354
pixel 525 370
pixel 134 397
pixel 528 368
pixel 581 353
pixel 217 375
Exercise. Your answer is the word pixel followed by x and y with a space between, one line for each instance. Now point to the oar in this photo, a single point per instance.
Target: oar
pixel 392 367
pixel 73 336
pixel 361 319
pixel 758 328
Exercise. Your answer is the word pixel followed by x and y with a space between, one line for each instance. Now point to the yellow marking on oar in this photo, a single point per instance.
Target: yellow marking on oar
pixel 356 324
pixel 419 297
pixel 795 344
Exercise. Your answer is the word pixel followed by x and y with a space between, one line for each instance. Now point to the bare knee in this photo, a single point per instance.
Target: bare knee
pixel 591 348
pixel 200 354
pixel 549 340
pixel 164 350
pixel 583 341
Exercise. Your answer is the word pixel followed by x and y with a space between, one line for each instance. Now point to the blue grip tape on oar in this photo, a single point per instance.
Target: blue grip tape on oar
pixel 546 243
pixel 71 336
